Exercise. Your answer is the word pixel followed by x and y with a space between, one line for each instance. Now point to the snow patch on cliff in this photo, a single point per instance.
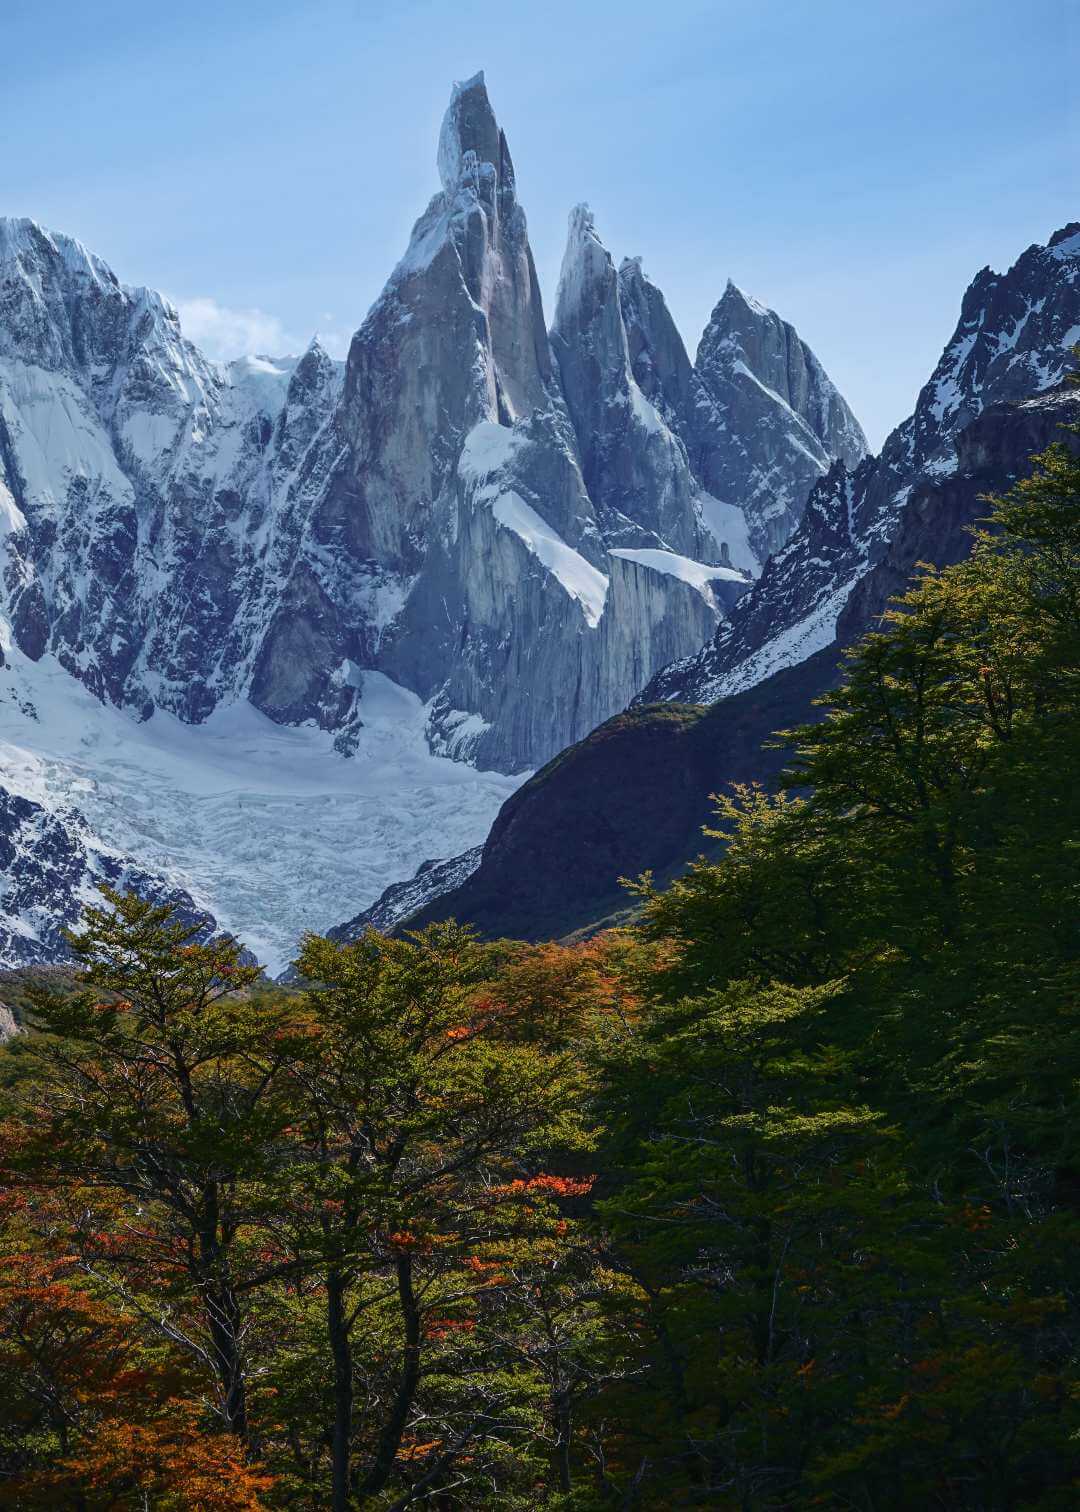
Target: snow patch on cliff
pixel 580 578
pixel 698 574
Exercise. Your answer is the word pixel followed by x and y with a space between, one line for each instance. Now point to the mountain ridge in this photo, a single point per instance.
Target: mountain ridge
pixel 1012 339
pixel 196 533
pixel 186 538
pixel 854 567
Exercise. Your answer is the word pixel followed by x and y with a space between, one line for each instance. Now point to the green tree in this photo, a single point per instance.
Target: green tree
pixel 423 1110
pixel 155 1112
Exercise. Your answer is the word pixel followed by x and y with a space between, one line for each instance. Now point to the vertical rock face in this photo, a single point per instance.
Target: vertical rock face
pixel 535 623
pixel 635 469
pixel 767 420
pixel 456 337
pixel 658 359
pixel 1013 341
pixel 441 507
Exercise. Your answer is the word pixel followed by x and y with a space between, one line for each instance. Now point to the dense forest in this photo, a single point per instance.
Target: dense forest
pixel 769 1201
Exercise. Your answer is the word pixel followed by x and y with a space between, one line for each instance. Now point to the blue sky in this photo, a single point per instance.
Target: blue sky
pixel 850 162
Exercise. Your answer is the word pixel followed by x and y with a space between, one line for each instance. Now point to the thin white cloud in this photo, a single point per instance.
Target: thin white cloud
pixel 223 333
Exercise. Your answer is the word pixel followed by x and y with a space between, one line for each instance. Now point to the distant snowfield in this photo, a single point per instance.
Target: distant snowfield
pixel 264 825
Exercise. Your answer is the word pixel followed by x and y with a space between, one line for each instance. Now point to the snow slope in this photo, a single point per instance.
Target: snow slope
pixel 1013 341
pixel 264 825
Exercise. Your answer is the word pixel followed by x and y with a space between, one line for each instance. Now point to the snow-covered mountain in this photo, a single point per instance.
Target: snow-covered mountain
pixel 760 418
pixel 1012 341
pixel 182 535
pixel 259 827
pixel 471 541
pixel 553 859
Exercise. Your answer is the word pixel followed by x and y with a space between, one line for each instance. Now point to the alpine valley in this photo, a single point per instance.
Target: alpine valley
pixel 285 639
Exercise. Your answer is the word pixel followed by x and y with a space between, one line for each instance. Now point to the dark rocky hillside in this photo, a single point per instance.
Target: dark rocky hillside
pixel 635 793
pixel 632 796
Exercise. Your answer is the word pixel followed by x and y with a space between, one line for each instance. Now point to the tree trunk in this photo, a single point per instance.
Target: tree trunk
pixel 224 1318
pixel 341 1353
pixel 560 1413
pixel 394 1428
pixel 223 1315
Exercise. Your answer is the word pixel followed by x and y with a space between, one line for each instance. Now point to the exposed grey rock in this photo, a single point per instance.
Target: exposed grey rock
pixel 456 337
pixel 542 636
pixel 51 866
pixel 1012 341
pixel 658 358
pixel 635 469
pixel 767 420
pixel 759 417
pixel 184 534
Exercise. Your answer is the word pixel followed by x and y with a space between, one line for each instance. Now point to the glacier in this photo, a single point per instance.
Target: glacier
pixel 264 826
pixel 273 632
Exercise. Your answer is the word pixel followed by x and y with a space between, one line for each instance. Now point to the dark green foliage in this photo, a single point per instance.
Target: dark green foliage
pixel 311 1249
pixel 844 1143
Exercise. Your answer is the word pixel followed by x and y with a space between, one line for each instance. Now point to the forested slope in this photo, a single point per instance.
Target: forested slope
pixel 769 1203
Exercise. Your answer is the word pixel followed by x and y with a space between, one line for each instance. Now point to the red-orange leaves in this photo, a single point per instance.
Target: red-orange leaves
pixel 548 1186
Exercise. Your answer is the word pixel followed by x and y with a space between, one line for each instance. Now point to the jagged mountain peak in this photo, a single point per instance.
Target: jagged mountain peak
pixel 735 297
pixel 1013 340
pixel 658 357
pixel 190 538
pixel 476 211
pixel 756 378
pixel 314 363
pixel 1066 241
pixel 42 253
pixel 291 518
pixel 740 323
pixel 470 136
pixel 750 429
pixel 22 237
pixel 743 331
pixel 587 276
